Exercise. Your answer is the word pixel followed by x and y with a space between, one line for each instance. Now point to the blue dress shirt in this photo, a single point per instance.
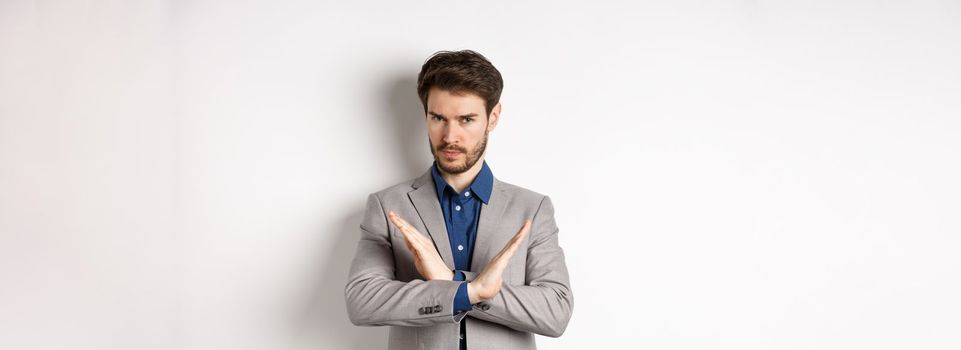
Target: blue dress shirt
pixel 462 214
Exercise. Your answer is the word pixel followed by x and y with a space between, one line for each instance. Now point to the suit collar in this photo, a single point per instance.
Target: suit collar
pixel 424 198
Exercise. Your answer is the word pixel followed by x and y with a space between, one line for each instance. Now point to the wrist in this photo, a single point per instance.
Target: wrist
pixel 472 293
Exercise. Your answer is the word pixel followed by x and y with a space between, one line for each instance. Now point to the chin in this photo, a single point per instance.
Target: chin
pixel 446 166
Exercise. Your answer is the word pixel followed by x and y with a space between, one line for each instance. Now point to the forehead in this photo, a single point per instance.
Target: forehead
pixel 456 103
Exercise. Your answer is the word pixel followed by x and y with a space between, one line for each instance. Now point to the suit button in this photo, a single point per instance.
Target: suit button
pixel 437 308
pixel 420 311
pixel 485 307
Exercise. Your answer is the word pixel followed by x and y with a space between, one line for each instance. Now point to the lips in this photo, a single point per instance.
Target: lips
pixel 451 153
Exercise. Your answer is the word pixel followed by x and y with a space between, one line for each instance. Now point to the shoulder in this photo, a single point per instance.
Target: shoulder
pixel 520 194
pixel 398 190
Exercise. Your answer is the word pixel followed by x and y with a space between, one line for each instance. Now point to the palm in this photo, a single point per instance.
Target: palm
pixel 426 259
pixel 488 283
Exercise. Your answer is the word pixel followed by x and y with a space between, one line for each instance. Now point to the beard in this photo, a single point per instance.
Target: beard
pixel 458 167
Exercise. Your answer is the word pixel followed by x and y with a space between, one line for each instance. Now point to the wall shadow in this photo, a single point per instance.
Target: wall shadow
pixel 405 114
pixel 323 321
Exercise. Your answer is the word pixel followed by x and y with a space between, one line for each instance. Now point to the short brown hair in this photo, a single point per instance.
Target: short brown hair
pixel 462 71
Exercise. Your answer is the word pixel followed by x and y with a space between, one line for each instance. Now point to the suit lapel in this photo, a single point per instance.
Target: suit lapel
pixel 424 199
pixel 487 229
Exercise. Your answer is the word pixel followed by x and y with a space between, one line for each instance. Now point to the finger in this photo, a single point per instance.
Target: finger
pixel 411 248
pixel 414 248
pixel 403 226
pixel 406 227
pixel 515 242
pixel 397 221
pixel 407 230
pixel 413 231
pixel 410 245
pixel 500 261
pixel 519 237
pixel 416 241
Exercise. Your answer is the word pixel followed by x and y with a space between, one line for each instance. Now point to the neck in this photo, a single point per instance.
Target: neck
pixel 460 181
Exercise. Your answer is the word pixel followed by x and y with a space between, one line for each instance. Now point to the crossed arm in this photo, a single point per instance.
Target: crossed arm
pixel 542 305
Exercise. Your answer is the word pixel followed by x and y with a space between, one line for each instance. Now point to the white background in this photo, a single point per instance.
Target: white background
pixel 727 174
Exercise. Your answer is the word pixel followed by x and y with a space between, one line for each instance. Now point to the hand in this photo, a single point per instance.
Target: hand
pixel 426 259
pixel 488 283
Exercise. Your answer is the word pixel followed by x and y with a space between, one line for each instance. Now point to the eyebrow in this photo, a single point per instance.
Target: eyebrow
pixel 460 116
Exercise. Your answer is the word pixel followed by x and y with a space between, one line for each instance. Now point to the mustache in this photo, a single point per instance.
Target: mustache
pixel 446 147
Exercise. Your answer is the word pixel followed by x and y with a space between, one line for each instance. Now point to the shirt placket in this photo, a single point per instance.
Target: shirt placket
pixel 459 218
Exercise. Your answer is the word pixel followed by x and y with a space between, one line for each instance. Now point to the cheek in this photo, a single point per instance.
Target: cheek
pixel 476 135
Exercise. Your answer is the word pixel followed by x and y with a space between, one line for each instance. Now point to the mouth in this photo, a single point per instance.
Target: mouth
pixel 451 154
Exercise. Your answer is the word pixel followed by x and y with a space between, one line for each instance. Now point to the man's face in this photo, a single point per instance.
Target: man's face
pixel 457 128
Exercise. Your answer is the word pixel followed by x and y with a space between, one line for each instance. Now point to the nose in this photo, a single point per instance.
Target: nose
pixel 451 134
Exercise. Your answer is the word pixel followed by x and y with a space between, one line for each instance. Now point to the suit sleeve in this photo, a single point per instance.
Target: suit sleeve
pixel 544 304
pixel 375 298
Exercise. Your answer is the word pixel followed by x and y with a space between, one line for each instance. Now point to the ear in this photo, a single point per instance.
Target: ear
pixel 494 117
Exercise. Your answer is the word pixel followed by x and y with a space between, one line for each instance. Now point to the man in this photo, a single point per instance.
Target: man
pixel 457 258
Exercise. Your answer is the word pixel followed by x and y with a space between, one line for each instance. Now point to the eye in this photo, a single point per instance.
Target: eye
pixel 434 117
pixel 467 120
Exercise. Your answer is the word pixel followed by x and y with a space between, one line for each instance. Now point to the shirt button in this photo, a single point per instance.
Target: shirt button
pixel 457 208
pixel 467 194
pixel 460 247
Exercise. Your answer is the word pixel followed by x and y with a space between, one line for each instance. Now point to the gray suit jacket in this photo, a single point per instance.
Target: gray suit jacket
pixel 385 289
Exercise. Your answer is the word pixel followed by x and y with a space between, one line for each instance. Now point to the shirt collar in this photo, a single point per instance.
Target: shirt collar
pixel 482 186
